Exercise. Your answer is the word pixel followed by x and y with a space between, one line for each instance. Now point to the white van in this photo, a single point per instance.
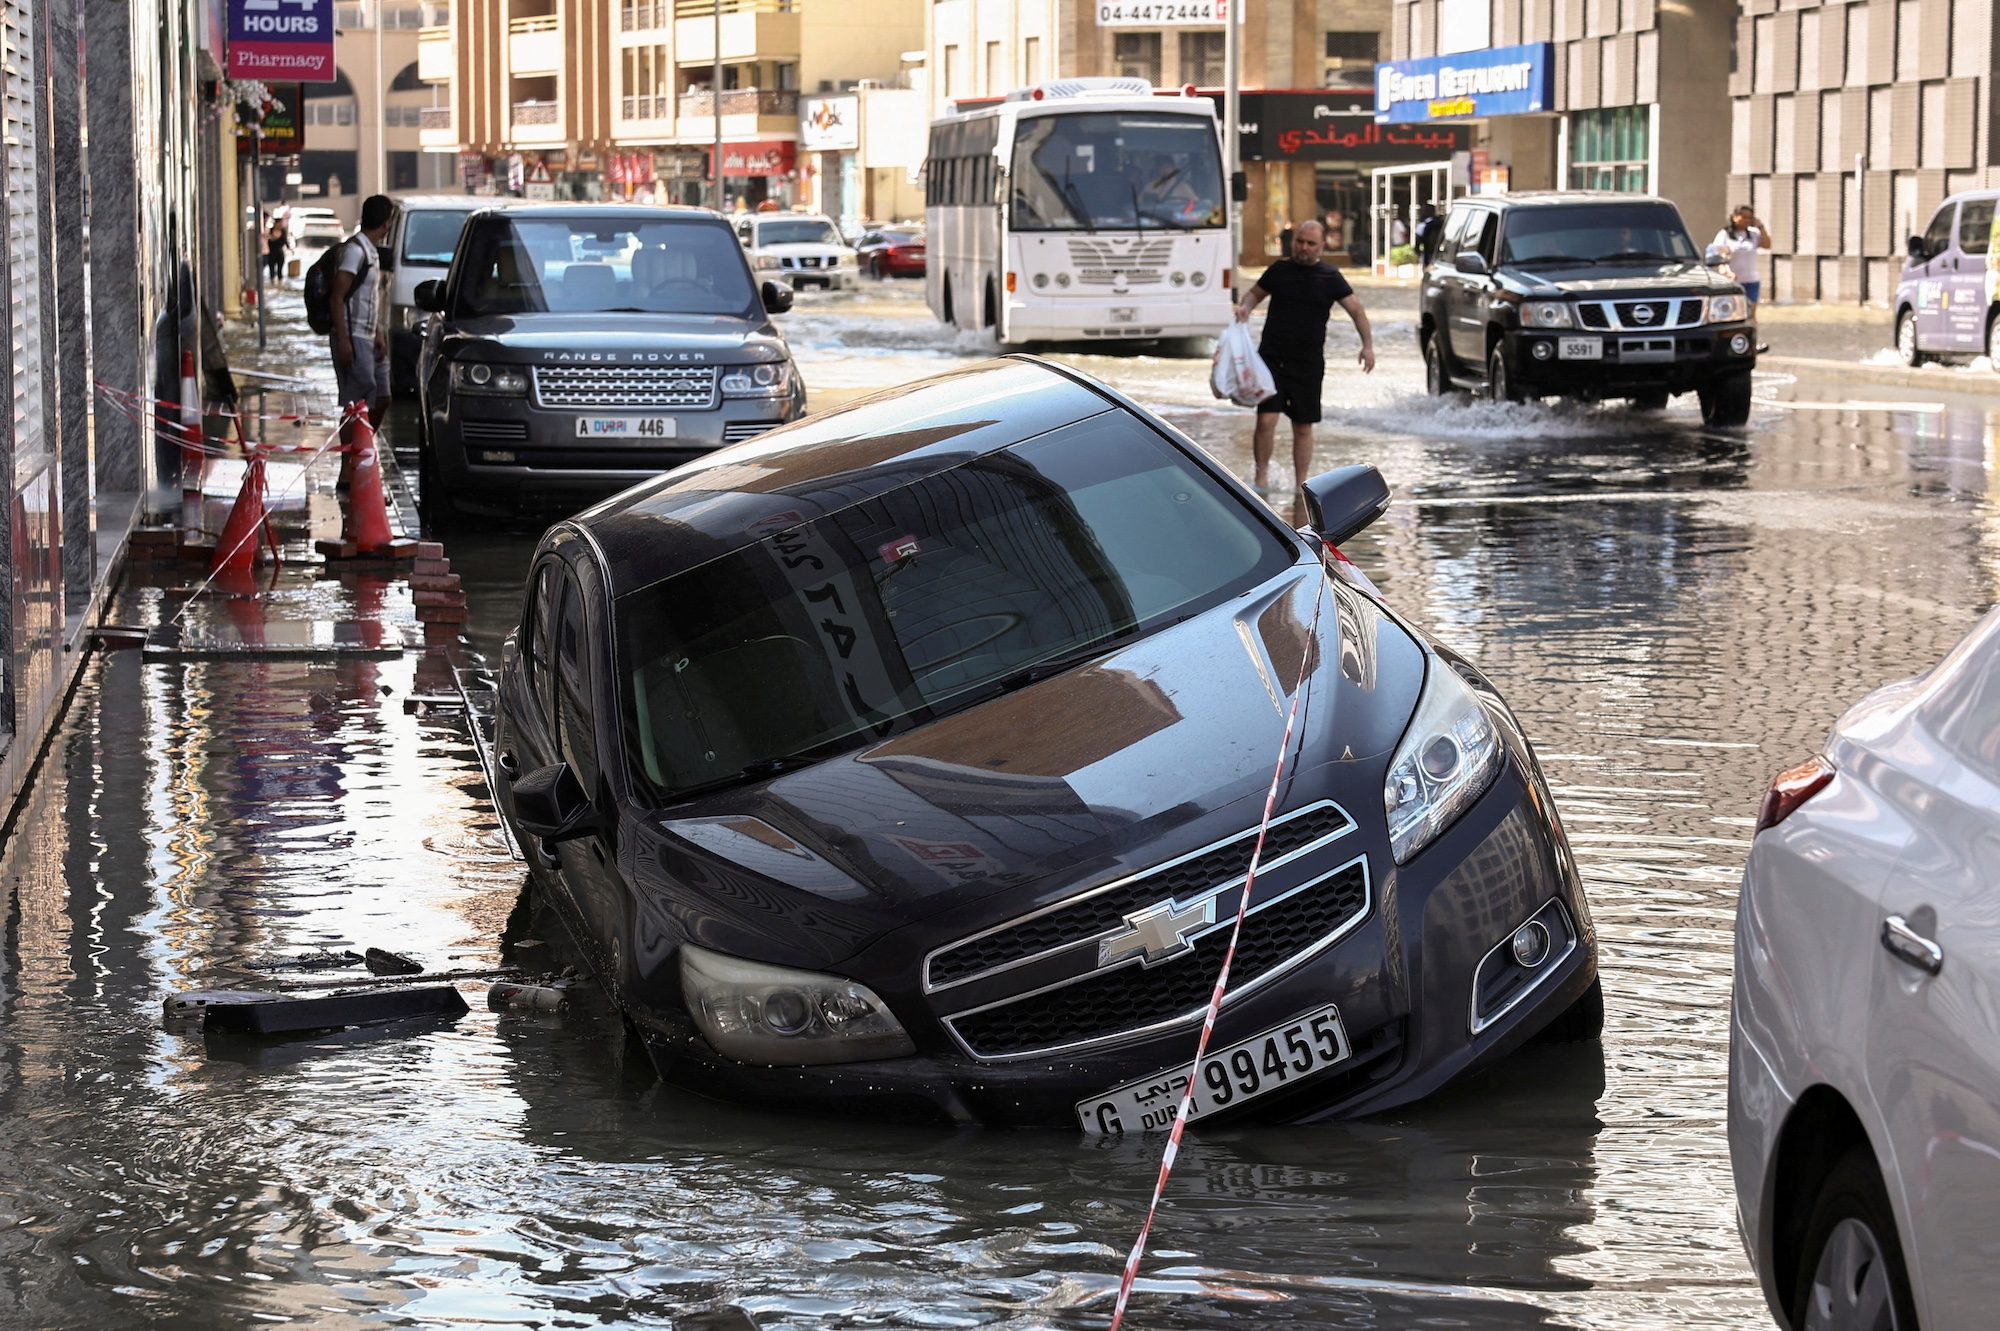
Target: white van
pixel 421 241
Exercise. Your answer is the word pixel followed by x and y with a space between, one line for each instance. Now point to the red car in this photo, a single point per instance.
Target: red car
pixel 892 253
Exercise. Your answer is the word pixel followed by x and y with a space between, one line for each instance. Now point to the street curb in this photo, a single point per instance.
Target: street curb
pixel 1943 379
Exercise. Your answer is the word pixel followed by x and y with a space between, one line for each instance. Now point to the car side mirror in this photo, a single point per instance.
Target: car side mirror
pixel 1342 502
pixel 1916 250
pixel 550 804
pixel 430 295
pixel 777 298
pixel 1470 262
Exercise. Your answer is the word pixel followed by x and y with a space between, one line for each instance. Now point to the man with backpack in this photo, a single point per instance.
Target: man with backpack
pixel 342 300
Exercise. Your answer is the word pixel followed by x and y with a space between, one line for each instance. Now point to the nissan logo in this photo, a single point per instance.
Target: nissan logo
pixel 1643 313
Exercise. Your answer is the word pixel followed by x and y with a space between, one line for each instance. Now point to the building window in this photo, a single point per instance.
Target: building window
pixel 1136 55
pixel 1201 59
pixel 1609 149
pixel 949 83
pixel 1031 60
pixel 1353 48
pixel 996 70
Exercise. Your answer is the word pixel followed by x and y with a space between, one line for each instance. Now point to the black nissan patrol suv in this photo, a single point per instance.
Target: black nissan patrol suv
pixel 1586 295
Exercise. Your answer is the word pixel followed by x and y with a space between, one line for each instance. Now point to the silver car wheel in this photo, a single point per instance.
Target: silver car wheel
pixel 1850 1288
pixel 1906 338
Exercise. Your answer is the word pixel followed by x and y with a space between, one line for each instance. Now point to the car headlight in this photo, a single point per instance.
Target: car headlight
pixel 756 1013
pixel 476 376
pixel 1546 314
pixel 771 379
pixel 765 263
pixel 1447 759
pixel 1727 309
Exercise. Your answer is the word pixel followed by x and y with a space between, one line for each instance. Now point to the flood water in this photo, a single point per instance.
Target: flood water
pixel 1674 614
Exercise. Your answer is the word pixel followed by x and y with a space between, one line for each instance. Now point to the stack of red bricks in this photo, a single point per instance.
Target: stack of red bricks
pixel 435 589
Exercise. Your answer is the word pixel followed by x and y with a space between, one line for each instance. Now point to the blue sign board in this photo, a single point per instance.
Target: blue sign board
pixel 281 41
pixel 1472 85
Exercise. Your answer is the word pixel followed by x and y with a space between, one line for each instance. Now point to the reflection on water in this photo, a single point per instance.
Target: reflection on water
pixel 1675 616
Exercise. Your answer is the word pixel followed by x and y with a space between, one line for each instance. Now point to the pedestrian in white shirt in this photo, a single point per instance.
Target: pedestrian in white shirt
pixel 1736 245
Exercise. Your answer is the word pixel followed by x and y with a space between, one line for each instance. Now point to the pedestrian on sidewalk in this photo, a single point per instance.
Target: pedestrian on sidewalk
pixel 1303 291
pixel 277 239
pixel 1737 245
pixel 360 341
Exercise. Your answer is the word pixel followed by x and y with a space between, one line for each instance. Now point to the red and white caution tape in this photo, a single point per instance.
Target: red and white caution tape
pixel 1306 659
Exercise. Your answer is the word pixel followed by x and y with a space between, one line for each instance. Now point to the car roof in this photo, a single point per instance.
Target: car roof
pixel 803 471
pixel 1555 197
pixel 449 202
pixel 618 212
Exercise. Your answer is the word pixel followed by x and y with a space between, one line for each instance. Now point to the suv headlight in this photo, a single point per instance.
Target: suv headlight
pixel 1728 309
pixel 1546 314
pixel 765 263
pixel 476 376
pixel 1447 759
pixel 771 379
pixel 756 1013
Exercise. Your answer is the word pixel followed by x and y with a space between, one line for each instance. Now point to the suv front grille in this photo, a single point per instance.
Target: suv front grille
pixel 656 386
pixel 1107 1005
pixel 1640 316
pixel 1086 918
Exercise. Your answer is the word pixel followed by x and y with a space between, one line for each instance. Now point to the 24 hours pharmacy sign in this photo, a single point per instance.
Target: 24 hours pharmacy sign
pixel 1473 85
pixel 281 41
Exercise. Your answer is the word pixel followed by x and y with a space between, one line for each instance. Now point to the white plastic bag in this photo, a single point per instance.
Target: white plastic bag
pixel 1239 373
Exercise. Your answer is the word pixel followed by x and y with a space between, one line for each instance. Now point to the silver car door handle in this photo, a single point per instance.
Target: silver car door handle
pixel 1907 945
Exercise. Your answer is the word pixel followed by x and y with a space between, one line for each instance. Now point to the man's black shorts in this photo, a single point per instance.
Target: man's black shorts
pixel 1298 383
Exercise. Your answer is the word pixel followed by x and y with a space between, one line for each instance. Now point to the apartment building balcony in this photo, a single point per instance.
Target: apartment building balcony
pixel 746 112
pixel 535 122
pixel 646 16
pixel 751 30
pixel 656 106
pixel 437 59
pixel 435 129
pixel 534 45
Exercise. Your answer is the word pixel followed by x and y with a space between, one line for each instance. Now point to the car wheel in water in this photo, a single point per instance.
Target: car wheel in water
pixel 1437 380
pixel 1499 383
pixel 1851 1275
pixel 433 505
pixel 1580 1022
pixel 1725 401
pixel 1906 339
pixel 1650 402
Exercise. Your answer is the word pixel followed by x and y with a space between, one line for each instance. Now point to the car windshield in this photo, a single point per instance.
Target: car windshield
pixel 797 231
pixel 589 265
pixel 1598 233
pixel 1115 170
pixel 432 237
pixel 828 634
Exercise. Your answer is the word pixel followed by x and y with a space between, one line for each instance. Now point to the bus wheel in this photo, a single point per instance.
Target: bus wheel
pixel 992 307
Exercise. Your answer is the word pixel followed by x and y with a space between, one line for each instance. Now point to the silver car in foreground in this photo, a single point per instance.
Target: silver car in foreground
pixel 1864 1055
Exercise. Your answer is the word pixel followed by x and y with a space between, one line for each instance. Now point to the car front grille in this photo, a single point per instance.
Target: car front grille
pixel 1640 316
pixel 493 432
pixel 735 432
pixel 600 386
pixel 1108 1005
pixel 801 261
pixel 1104 263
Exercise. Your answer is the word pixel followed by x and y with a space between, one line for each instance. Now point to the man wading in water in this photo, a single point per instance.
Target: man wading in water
pixel 1303 292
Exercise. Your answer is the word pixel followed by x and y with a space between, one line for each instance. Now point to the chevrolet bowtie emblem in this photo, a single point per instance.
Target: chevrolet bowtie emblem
pixel 1157 933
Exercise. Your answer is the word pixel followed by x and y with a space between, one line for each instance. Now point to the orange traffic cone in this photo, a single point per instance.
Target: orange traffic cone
pixel 367 527
pixel 249 526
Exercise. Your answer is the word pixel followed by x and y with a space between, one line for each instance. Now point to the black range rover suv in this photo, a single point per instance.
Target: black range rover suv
pixel 1586 295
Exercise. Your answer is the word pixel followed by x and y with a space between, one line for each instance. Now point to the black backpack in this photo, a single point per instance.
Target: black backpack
pixel 319 285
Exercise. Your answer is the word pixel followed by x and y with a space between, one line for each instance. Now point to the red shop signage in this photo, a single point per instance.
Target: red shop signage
pixel 764 157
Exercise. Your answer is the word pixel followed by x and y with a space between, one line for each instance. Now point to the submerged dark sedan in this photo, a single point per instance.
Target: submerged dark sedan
pixel 910 759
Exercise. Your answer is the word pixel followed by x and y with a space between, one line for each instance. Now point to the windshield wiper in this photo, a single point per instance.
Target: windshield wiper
pixel 1074 198
pixel 1051 666
pixel 1552 260
pixel 761 770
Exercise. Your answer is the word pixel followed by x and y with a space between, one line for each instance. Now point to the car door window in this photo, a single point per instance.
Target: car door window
pixel 576 738
pixel 1454 234
pixel 1975 225
pixel 540 628
pixel 1938 239
pixel 1482 233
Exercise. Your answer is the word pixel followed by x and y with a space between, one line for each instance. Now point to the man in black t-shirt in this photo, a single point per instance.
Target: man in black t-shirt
pixel 1303 292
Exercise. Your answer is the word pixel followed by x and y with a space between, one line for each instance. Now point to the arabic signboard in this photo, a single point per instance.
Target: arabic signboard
pixel 281 40
pixel 830 124
pixel 764 157
pixel 1162 13
pixel 284 133
pixel 1504 81
pixel 1336 125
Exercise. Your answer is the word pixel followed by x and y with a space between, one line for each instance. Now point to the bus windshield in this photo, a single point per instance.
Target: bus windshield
pixel 1117 170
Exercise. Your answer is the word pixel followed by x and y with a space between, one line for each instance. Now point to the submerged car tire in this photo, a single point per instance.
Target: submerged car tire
pixel 1851 1275
pixel 1906 338
pixel 1499 380
pixel 1725 401
pixel 1437 375
pixel 1580 1022
pixel 1650 402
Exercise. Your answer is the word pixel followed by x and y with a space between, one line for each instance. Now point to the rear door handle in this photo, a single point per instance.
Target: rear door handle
pixel 1910 947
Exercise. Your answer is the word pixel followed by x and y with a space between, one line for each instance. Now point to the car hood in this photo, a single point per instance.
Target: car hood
pixel 1667 279
pixel 619 339
pixel 815 249
pixel 1142 756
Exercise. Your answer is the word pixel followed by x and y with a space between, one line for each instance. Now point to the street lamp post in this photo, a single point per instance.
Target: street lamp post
pixel 1232 53
pixel 715 93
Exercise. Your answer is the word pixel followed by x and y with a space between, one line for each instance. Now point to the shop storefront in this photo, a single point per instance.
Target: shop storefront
pixel 760 171
pixel 830 138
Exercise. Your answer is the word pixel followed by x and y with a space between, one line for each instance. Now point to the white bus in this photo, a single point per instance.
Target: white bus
pixel 1082 209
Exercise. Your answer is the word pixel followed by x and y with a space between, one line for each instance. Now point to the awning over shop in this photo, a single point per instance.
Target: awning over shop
pixel 761 157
